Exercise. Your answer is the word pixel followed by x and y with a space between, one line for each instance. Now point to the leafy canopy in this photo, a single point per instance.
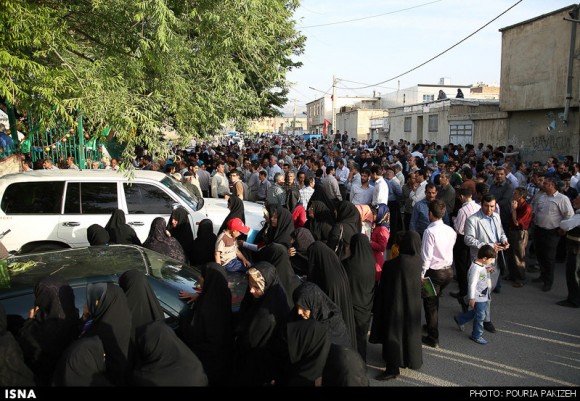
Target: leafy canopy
pixel 144 66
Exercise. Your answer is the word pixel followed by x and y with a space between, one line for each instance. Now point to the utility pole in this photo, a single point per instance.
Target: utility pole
pixel 294 122
pixel 333 100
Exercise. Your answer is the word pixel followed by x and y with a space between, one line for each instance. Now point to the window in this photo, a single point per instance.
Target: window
pixel 460 132
pixel 91 198
pixel 147 199
pixel 33 197
pixel 434 123
pixel 428 98
pixel 407 124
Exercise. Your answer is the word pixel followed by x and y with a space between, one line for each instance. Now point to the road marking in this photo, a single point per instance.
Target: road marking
pixel 410 376
pixel 542 329
pixel 573 345
pixel 503 368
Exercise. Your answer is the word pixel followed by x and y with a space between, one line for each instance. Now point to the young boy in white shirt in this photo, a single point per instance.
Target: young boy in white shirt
pixel 478 293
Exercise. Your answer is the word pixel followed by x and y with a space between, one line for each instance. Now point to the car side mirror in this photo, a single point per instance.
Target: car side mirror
pixel 200 203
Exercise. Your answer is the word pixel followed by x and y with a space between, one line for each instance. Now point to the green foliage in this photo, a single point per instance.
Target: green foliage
pixel 148 65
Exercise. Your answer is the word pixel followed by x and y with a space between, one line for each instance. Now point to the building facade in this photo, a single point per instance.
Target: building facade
pixel 357 122
pixel 540 85
pixel 320 110
pixel 458 121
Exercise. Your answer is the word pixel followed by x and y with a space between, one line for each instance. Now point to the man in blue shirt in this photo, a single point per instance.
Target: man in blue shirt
pixel 420 216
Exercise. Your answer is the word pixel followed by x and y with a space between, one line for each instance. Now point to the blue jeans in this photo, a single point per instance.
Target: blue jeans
pixel 476 314
pixel 235 265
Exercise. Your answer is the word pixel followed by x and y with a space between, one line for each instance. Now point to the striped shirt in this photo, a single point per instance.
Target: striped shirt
pixel 466 210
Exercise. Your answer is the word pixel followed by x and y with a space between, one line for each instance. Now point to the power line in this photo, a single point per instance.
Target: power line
pixel 440 54
pixel 369 17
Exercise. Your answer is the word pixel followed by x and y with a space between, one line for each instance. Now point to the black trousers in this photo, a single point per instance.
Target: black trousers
pixel 462 259
pixel 440 278
pixel 547 245
pixel 573 272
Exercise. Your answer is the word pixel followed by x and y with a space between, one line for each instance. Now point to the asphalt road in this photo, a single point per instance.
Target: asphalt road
pixel 537 343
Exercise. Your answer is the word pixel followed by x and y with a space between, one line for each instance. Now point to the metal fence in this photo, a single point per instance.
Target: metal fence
pixel 57 141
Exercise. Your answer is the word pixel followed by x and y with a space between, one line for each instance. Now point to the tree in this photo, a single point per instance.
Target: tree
pixel 146 65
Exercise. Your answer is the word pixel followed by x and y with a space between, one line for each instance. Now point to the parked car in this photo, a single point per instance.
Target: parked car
pixel 81 266
pixel 47 210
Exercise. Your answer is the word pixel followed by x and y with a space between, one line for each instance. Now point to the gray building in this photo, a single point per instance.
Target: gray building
pixel 459 121
pixel 537 58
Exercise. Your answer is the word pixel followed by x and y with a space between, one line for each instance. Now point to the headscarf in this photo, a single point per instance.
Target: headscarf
pixel 308 347
pixel 261 322
pixel 204 243
pixel 321 225
pixel 82 364
pixel 236 207
pixel 319 195
pixel 326 271
pixel 348 223
pixel 302 240
pixel 323 310
pixel 281 234
pixel 366 213
pixel 13 370
pixel 277 255
pixel 97 235
pixel 382 220
pixel 141 299
pixel 111 322
pixel 119 231
pixel 210 332
pixel 164 360
pixel 360 269
pixel 182 231
pixel 159 242
pixel 56 324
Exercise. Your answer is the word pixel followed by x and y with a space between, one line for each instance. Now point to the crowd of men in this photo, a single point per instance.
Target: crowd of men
pixel 490 196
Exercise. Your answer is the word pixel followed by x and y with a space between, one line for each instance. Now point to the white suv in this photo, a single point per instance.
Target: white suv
pixel 51 209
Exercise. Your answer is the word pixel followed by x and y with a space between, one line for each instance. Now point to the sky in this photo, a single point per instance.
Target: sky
pixel 400 35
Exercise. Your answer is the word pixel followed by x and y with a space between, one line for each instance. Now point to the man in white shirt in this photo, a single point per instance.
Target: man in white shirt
pixel 418 192
pixel 341 173
pixel 362 194
pixel 306 192
pixel 437 255
pixel 461 252
pixel 381 189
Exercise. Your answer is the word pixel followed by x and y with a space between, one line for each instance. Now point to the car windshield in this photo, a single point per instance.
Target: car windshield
pixel 24 271
pixel 180 191
pixel 101 263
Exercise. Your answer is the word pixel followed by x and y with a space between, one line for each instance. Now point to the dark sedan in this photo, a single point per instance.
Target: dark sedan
pixel 80 266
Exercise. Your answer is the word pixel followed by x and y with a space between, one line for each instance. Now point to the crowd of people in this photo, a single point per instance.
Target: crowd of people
pixel 357 236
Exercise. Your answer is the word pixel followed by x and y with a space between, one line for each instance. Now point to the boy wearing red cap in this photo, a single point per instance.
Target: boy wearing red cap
pixel 227 253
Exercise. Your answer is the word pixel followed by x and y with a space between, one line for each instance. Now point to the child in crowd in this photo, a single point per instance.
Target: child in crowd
pixel 227 253
pixel 478 293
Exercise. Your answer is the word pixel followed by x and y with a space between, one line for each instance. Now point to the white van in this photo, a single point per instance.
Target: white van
pixel 52 209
